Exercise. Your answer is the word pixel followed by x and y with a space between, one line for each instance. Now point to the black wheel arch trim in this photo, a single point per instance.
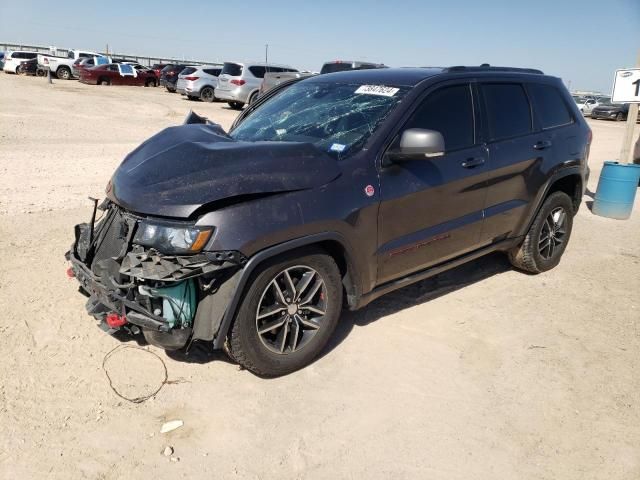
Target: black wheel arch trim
pixel 279 249
pixel 565 170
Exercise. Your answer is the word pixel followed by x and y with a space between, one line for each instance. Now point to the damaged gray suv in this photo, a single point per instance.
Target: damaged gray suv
pixel 327 193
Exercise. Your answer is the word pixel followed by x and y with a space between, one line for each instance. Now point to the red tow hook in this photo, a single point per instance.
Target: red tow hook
pixel 114 320
pixel 70 272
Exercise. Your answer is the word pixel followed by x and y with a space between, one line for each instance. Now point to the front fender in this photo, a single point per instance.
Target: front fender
pixel 230 298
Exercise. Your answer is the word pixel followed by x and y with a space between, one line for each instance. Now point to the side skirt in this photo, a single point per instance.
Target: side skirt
pixel 385 288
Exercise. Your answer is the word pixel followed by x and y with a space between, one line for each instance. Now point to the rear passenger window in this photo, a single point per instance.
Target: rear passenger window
pixel 549 105
pixel 450 112
pixel 257 71
pixel 508 110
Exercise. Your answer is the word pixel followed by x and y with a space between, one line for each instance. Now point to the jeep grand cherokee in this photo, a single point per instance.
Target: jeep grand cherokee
pixel 325 194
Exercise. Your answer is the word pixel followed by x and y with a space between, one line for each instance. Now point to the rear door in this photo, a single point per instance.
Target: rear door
pixel 431 208
pixel 517 155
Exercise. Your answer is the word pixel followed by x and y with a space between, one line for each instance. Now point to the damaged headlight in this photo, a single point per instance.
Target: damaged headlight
pixel 172 239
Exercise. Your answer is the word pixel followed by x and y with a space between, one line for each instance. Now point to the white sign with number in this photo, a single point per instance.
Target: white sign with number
pixel 626 86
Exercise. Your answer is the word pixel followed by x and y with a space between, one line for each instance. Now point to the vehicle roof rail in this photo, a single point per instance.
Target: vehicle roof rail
pixel 485 67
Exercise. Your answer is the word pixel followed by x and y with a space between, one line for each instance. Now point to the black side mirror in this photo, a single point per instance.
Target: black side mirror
pixel 418 143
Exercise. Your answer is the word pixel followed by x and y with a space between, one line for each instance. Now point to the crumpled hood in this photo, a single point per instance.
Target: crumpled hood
pixel 183 168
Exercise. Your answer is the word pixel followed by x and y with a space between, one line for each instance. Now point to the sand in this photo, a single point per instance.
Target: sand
pixel 482 372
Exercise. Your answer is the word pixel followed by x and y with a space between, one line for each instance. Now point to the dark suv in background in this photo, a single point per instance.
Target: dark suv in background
pixel 257 238
pixel 169 76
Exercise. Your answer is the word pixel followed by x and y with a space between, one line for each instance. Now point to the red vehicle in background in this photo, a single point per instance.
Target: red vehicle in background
pixel 157 68
pixel 118 74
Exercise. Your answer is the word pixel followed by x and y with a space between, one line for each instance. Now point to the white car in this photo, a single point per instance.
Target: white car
pixel 62 67
pixel 12 60
pixel 587 103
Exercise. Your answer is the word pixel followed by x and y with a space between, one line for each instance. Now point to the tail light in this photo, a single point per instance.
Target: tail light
pixel 237 82
pixel 191 79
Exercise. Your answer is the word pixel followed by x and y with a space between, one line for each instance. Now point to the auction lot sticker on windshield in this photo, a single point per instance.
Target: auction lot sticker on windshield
pixel 377 90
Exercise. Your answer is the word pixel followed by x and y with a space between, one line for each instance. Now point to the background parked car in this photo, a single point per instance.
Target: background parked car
pixel 28 67
pixel 62 67
pixel 118 74
pixel 86 62
pixel 239 83
pixel 1 60
pixel 610 111
pixel 157 68
pixel 12 59
pixel 199 82
pixel 271 80
pixel 587 103
pixel 169 76
pixel 342 65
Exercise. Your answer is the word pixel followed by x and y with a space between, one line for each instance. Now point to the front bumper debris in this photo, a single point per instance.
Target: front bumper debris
pixel 146 287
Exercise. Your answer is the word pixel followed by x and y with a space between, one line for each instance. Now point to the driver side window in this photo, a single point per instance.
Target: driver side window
pixel 448 110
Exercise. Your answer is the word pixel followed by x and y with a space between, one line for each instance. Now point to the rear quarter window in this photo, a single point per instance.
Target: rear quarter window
pixel 257 71
pixel 187 71
pixel 212 71
pixel 549 106
pixel 232 69
pixel 507 109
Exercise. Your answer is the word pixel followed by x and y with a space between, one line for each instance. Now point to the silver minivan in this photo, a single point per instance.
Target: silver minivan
pixel 239 83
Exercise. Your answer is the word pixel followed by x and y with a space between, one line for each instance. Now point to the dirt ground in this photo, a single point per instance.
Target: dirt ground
pixel 480 373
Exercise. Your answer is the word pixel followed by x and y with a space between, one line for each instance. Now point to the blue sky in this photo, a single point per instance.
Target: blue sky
pixel 582 41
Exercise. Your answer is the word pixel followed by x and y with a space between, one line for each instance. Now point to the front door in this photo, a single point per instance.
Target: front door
pixel 432 208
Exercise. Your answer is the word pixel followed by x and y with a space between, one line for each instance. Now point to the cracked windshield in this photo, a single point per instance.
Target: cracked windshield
pixel 336 118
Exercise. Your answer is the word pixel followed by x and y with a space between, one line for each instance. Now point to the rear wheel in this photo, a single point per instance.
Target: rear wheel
pixel 207 94
pixel 548 236
pixel 104 81
pixel 253 98
pixel 63 73
pixel 150 83
pixel 236 105
pixel 288 314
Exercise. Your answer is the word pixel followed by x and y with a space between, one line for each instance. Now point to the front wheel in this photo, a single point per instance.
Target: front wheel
pixel 620 117
pixel 236 105
pixel 288 314
pixel 548 236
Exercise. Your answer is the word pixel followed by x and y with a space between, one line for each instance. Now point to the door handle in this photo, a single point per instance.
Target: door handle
pixel 473 162
pixel 542 144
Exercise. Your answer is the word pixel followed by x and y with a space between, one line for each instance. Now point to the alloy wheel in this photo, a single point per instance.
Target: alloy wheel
pixel 291 309
pixel 553 233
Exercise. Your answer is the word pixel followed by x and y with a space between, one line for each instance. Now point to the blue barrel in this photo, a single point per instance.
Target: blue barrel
pixel 616 190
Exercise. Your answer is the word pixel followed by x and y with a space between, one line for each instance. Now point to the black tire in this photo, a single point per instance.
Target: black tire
pixel 236 105
pixel 250 349
pixel 540 251
pixel 171 90
pixel 619 117
pixel 104 81
pixel 150 83
pixel 253 98
pixel 207 94
pixel 63 73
